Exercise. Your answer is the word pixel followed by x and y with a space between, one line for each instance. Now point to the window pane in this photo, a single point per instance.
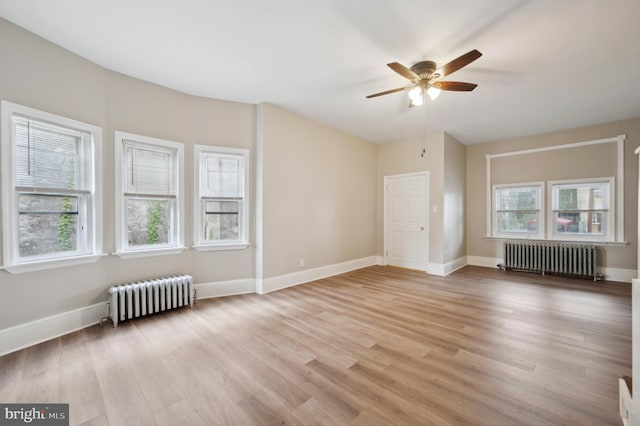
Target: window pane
pixel 580 223
pixel 47 224
pixel 28 203
pixel 46 156
pixel 585 196
pixel 222 176
pixel 525 221
pixel 221 220
pixel 149 171
pixel 148 221
pixel 518 198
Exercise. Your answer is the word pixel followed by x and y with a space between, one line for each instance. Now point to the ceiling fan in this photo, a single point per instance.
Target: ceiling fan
pixel 425 77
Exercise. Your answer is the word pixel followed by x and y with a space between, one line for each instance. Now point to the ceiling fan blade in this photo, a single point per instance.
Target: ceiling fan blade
pixel 459 62
pixel 454 86
pixel 387 92
pixel 402 70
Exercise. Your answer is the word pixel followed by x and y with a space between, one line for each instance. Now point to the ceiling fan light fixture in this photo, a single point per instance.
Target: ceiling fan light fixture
pixel 416 102
pixel 415 95
pixel 433 93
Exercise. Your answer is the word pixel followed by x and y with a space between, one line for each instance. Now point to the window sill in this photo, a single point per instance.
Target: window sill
pixel 149 252
pixel 51 264
pixel 218 247
pixel 542 240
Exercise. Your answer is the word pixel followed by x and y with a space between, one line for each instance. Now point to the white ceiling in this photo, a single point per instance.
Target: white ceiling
pixel 546 64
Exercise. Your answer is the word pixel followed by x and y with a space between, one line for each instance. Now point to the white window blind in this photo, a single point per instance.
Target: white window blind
pixel 150 170
pixel 47 156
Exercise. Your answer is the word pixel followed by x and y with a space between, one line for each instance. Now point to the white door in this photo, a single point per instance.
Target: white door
pixel 406 227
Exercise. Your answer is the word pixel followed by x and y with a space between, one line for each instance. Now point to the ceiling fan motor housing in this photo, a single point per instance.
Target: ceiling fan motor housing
pixel 424 70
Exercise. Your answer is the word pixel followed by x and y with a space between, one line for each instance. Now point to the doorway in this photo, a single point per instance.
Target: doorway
pixel 406 221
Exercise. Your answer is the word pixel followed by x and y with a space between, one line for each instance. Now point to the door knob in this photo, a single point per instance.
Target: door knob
pixel 422 228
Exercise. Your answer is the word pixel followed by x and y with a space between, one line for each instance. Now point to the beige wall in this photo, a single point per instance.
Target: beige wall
pixel 402 157
pixel 319 194
pixel 583 162
pixel 320 184
pixel 455 171
pixel 38 74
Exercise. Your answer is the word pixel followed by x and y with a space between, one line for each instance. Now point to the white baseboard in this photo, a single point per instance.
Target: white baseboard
pixel 225 288
pixel 38 331
pixel 487 262
pixel 380 260
pixel 444 269
pixel 435 269
pixel 288 280
pixel 619 274
pixel 454 265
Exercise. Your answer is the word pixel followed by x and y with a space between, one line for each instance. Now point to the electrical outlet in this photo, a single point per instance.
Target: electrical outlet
pixel 301 263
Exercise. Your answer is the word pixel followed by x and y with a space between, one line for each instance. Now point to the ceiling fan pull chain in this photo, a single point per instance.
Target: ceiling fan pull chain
pixel 424 138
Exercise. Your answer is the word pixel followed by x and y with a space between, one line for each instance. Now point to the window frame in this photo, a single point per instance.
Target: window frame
pixel 610 217
pixel 176 240
pixel 199 243
pixel 91 192
pixel 541 212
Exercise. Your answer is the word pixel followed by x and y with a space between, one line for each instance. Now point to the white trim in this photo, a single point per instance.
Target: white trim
pixel 122 249
pixel 619 233
pixel 488 197
pixel 132 254
pixel 288 280
pixel 618 274
pixel 242 153
pixel 553 235
pixel 380 260
pixel 259 191
pixel 221 247
pixel 541 211
pixel 597 243
pixel 28 334
pixel 455 264
pixel 92 165
pixel 625 402
pixel 619 196
pixel 444 269
pixel 485 262
pixel 435 269
pixel 556 147
pixel 19 268
pixel 225 288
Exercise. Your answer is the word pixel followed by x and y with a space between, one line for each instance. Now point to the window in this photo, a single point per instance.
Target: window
pixel 51 208
pixel 582 209
pixel 149 182
pixel 578 210
pixel 518 210
pixel 220 204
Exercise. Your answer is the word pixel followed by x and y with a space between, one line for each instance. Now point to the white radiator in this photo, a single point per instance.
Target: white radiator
pixel 133 300
pixel 575 260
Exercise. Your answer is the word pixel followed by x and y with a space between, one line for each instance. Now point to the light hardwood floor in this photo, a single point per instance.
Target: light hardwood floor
pixel 374 346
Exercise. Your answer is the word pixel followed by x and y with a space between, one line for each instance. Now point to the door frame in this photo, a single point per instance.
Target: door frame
pixel 386 207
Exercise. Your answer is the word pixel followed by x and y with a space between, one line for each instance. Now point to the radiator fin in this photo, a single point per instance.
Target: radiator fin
pixel 575 260
pixel 133 300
